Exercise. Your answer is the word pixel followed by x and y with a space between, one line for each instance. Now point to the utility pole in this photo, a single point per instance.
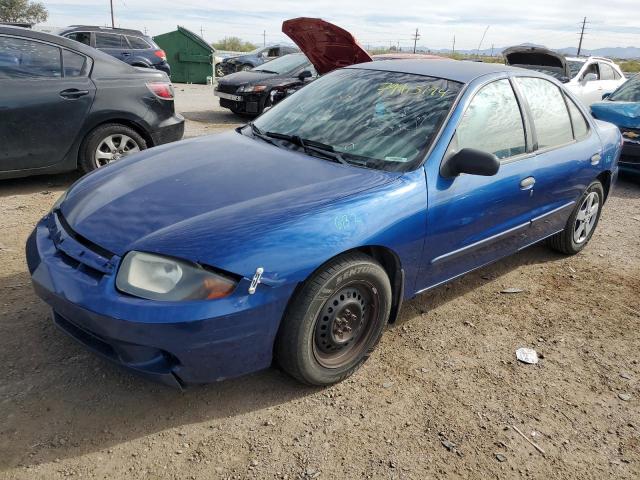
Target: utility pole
pixel 201 32
pixel 398 49
pixel 113 23
pixel 453 48
pixel 584 23
pixel 264 38
pixel 415 40
pixel 492 49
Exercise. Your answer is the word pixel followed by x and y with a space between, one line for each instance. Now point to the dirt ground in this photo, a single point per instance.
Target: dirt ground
pixel 442 397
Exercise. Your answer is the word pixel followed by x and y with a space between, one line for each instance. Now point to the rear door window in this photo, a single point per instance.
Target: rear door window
pixel 109 40
pixel 549 111
pixel 20 58
pixel 492 122
pixel 138 43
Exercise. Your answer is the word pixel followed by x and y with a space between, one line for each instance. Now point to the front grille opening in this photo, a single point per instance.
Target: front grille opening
pixel 103 252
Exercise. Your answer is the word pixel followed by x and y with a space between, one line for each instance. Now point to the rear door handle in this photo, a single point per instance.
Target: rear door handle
pixel 73 93
pixel 595 158
pixel 126 54
pixel 527 183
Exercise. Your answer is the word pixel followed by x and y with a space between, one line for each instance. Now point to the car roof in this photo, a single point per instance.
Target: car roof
pixel 456 70
pixel 93 28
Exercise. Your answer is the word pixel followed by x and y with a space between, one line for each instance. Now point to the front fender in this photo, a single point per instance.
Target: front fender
pixel 392 216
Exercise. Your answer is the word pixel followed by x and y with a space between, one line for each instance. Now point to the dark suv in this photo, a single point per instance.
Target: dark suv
pixel 130 46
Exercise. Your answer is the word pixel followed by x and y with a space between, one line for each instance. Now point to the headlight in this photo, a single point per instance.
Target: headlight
pixel 156 277
pixel 252 88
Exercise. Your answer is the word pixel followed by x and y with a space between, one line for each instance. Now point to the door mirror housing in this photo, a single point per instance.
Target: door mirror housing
pixel 303 75
pixel 589 77
pixel 606 95
pixel 471 162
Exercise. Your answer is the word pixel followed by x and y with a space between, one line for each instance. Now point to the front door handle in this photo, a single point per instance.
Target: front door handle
pixel 595 158
pixel 527 183
pixel 73 93
pixel 126 54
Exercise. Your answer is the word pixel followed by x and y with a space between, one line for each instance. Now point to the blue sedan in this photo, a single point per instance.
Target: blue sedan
pixel 297 237
pixel 622 108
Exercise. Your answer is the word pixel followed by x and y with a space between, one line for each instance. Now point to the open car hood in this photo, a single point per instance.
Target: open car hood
pixel 326 45
pixel 538 58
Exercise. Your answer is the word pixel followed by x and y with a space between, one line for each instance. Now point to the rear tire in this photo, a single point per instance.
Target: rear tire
pixel 124 141
pixel 582 223
pixel 335 320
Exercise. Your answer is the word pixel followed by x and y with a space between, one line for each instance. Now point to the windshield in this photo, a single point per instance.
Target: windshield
pixel 574 67
pixel 285 64
pixel 381 119
pixel 628 91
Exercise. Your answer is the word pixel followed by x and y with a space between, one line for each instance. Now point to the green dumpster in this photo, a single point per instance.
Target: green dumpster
pixel 188 54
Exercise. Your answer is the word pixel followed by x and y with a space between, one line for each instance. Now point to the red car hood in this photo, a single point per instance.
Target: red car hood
pixel 326 45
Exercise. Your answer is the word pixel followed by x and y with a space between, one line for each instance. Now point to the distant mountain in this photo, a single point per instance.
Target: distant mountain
pixel 611 52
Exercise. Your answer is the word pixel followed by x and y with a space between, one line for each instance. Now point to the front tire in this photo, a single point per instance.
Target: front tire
pixel 335 320
pixel 582 223
pixel 108 143
pixel 246 67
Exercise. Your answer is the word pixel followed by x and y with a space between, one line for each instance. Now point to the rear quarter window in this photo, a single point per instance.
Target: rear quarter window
pixel 580 125
pixel 138 43
pixel 73 63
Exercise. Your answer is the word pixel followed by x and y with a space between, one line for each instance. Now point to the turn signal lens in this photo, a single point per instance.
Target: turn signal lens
pixel 161 90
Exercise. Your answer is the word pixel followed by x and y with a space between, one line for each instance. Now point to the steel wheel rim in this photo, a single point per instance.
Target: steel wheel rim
pixel 586 218
pixel 246 68
pixel 219 71
pixel 343 328
pixel 113 148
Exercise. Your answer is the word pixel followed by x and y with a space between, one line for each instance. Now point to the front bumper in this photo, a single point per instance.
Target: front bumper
pixel 175 343
pixel 251 103
pixel 630 158
pixel 169 130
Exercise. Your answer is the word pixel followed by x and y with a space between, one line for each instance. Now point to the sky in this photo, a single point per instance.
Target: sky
pixel 553 23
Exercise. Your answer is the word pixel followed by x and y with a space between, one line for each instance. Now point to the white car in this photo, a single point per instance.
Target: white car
pixel 588 78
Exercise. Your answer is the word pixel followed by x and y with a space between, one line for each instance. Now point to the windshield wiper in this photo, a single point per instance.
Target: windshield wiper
pixel 258 133
pixel 311 146
pixel 265 71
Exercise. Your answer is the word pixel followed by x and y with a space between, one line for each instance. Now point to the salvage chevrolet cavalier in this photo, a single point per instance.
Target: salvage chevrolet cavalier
pixel 297 237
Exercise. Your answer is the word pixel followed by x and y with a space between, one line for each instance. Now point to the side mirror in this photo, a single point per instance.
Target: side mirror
pixel 471 162
pixel 589 77
pixel 304 75
pixel 606 95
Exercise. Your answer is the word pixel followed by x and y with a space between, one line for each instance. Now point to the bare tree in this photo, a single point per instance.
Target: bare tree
pixel 22 11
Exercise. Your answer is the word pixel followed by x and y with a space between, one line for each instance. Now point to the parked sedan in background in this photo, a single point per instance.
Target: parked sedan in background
pixel 299 235
pixel 622 108
pixel 587 78
pixel 252 59
pixel 65 105
pixel 130 46
pixel 250 91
